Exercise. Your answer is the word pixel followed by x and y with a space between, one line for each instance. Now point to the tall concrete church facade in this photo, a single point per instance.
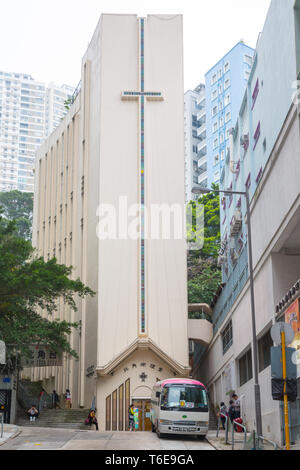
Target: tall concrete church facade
pixel 122 141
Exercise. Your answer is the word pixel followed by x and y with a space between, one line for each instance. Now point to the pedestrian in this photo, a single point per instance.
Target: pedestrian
pixel 231 410
pixel 33 413
pixel 223 413
pixel 92 419
pixel 68 399
pixel 237 406
pixel 55 399
pixel 131 417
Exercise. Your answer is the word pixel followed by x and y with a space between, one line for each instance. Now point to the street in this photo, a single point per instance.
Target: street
pixel 34 438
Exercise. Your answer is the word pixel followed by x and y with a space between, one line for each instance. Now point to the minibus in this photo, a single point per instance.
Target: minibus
pixel 179 406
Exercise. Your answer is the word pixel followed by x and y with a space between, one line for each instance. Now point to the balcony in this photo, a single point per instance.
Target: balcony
pixel 200 328
pixel 202 160
pixel 201 114
pixel 202 130
pixel 201 147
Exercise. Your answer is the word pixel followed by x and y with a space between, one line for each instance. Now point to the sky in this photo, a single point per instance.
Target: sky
pixel 48 38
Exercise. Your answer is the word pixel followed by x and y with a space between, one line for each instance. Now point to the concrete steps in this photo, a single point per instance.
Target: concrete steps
pixel 67 419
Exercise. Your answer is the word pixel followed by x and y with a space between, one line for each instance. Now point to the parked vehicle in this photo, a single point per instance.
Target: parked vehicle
pixel 179 406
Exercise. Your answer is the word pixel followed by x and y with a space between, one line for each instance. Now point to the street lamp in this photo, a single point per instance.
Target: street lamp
pixel 199 190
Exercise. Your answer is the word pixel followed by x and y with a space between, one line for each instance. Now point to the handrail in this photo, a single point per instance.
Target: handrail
pixel 234 422
pixel 262 438
pixel 226 426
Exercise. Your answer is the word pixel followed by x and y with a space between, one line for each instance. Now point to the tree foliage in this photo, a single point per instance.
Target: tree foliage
pixel 18 206
pixel 30 285
pixel 204 276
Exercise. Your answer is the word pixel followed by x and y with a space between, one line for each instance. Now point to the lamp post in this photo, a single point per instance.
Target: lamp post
pixel 199 190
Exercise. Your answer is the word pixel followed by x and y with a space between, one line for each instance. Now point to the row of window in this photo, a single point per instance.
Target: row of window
pixel 222 121
pixel 220 106
pixel 216 76
pixel 220 89
pixel 245 362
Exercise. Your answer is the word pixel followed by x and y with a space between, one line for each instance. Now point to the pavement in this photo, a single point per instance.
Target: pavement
pixel 9 432
pixel 118 440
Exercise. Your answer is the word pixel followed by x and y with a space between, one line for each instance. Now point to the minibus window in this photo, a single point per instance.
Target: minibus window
pixel 184 398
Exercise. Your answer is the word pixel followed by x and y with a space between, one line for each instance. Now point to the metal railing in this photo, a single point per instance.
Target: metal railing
pixel 236 423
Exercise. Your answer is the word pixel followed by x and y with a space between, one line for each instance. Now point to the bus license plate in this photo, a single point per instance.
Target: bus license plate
pixel 184 429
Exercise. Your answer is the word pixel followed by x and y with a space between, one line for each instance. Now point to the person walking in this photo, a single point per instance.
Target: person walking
pixel 231 410
pixel 131 417
pixel 68 399
pixel 92 419
pixel 33 413
pixel 55 399
pixel 223 413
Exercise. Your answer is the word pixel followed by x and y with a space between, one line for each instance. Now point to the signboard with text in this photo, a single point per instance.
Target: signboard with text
pixel 41 356
pixel 292 316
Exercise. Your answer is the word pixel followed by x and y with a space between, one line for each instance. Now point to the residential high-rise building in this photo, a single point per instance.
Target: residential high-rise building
pixel 195 140
pixel 29 112
pixel 225 85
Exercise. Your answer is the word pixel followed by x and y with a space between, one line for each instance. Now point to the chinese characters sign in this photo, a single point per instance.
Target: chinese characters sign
pixel 41 355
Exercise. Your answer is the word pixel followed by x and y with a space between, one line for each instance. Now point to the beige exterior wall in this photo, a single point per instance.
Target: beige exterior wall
pixel 93 159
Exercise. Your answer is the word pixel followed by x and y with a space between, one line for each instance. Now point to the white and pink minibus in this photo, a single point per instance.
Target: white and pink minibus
pixel 179 406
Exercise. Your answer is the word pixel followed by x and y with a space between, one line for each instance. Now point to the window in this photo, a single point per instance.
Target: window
pixel 216 159
pixel 227 100
pixel 221 138
pixel 216 143
pixel 226 67
pixel 216 177
pixel 248 59
pixel 264 351
pixel 256 135
pixel 215 127
pixel 214 95
pixel 215 110
pixel 222 154
pixel 227 84
pixel 221 121
pixel 220 105
pixel 228 116
pixel 245 368
pixel 220 89
pixel 255 93
pixel 219 73
pixel 227 337
pixel 214 79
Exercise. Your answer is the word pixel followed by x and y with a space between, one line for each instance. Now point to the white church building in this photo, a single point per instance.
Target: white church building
pixel 111 155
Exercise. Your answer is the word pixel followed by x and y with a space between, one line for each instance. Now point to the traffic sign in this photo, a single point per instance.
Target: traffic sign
pixel 276 330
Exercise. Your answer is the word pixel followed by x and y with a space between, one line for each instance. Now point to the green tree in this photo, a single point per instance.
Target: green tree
pixel 18 206
pixel 28 285
pixel 204 276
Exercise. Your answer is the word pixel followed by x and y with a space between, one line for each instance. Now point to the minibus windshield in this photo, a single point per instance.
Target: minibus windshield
pixel 184 398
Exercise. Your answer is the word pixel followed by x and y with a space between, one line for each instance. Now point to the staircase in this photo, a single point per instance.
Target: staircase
pixel 67 419
pixel 213 420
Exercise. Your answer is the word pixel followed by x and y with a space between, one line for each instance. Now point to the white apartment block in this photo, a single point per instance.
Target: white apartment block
pixel 29 112
pixel 195 140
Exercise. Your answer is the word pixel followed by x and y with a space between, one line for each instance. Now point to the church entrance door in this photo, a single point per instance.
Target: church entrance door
pixel 143 422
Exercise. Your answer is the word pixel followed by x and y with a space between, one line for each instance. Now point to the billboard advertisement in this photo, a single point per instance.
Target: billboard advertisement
pixel 292 316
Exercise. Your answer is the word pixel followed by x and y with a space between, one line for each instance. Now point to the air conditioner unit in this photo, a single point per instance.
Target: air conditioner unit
pixel 236 223
pixel 244 140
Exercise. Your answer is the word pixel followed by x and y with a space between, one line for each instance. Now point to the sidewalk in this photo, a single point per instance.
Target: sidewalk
pixel 219 442
pixel 9 432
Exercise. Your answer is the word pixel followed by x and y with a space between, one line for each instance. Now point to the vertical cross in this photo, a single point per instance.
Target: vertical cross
pixel 140 97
